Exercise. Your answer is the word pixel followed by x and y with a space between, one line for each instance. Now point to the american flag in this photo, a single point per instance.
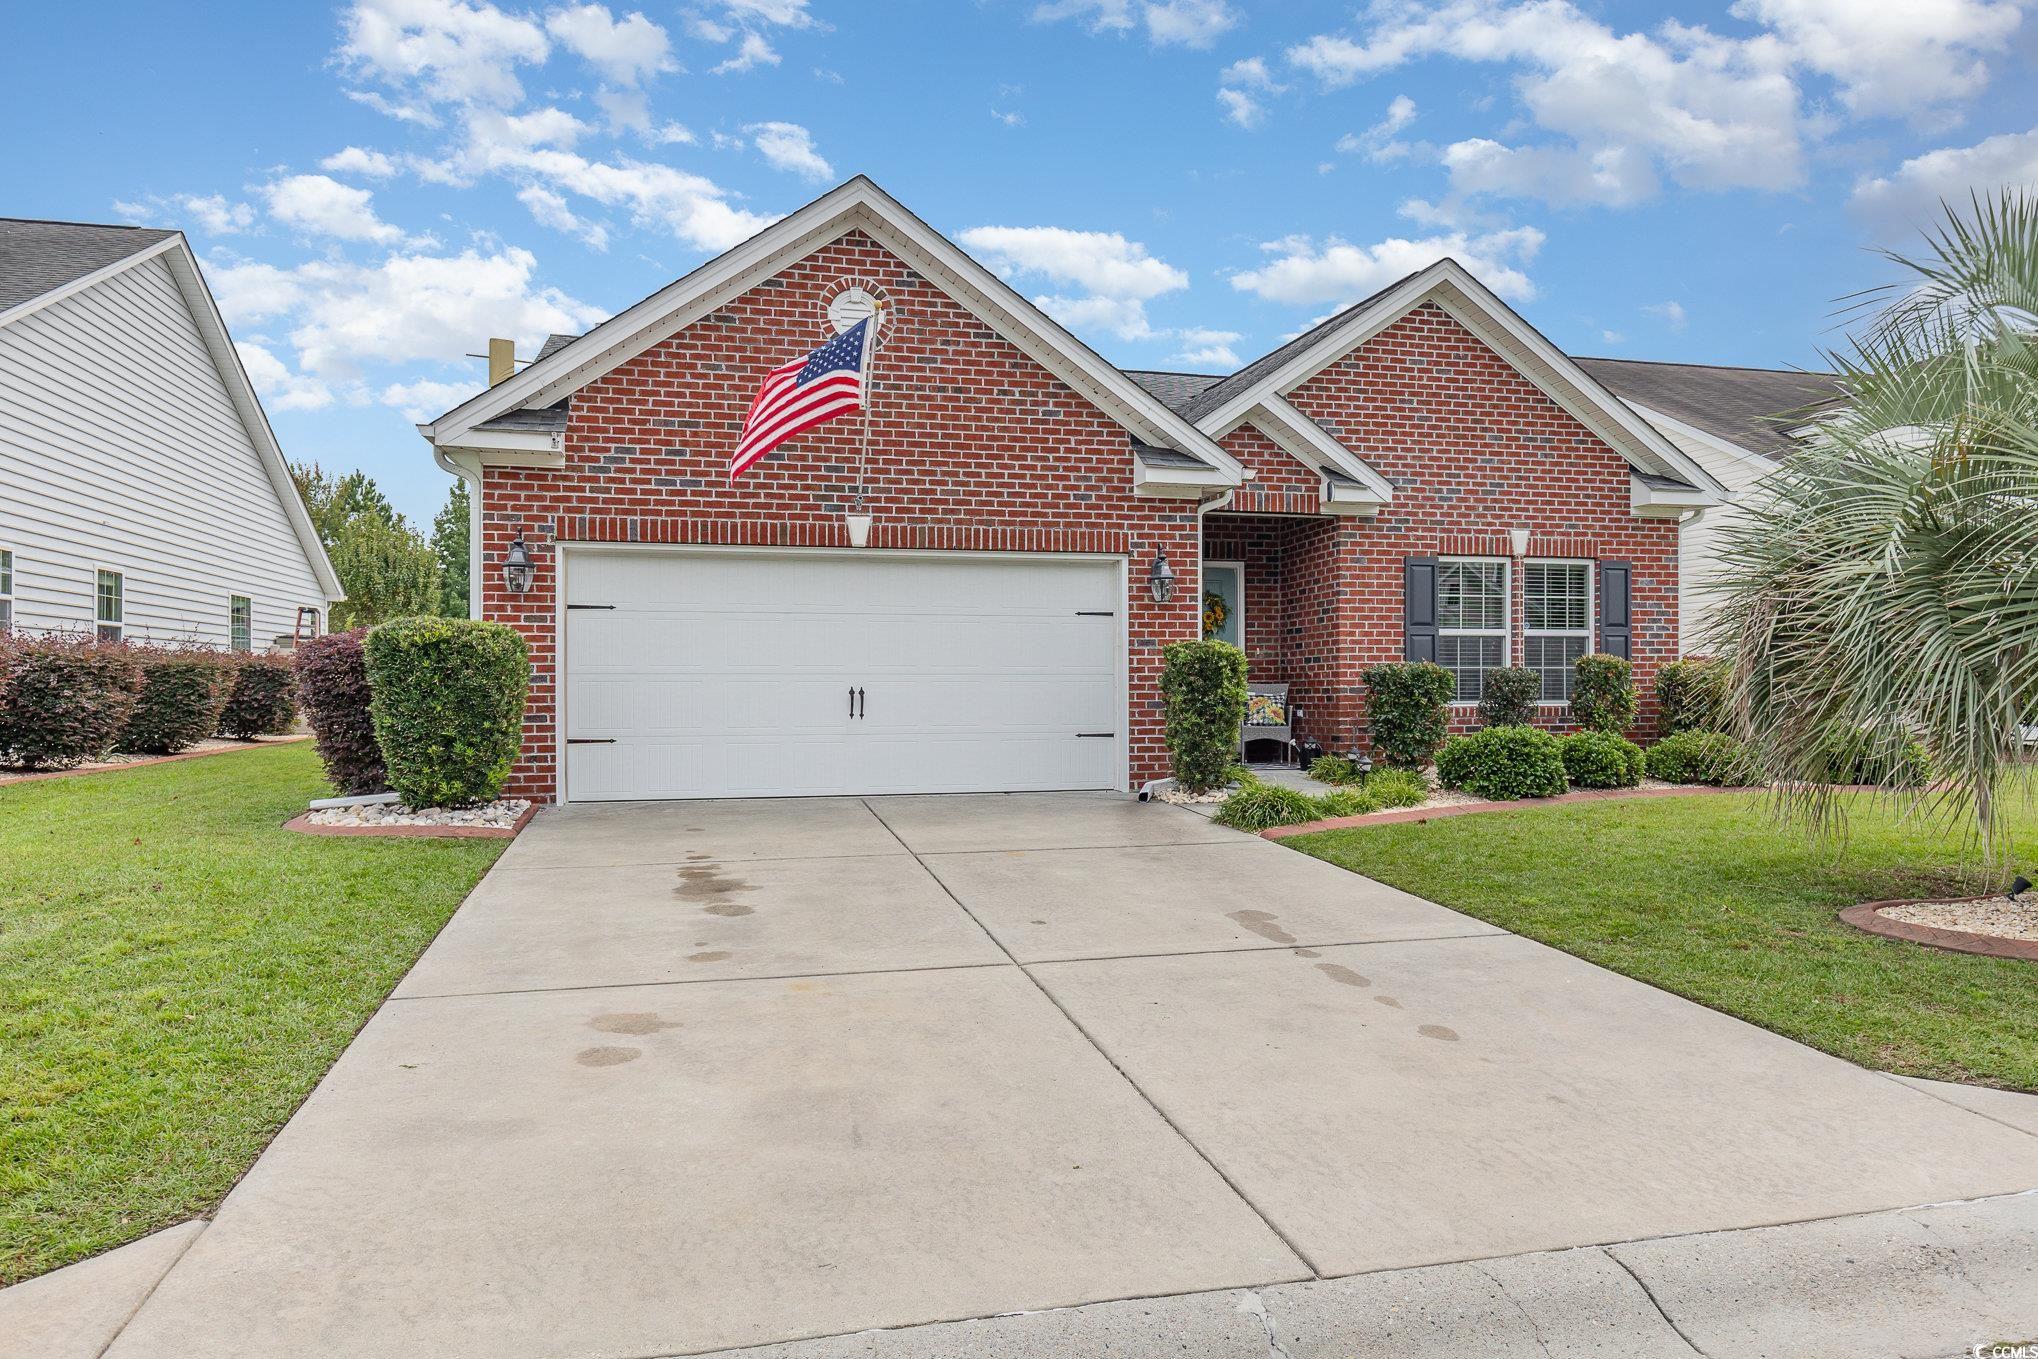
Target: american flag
pixel 804 393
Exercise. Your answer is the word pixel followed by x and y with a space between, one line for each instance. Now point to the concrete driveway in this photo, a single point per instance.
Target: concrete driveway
pixel 683 1077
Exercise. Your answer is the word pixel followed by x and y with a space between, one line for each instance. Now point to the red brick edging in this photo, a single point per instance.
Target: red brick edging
pixel 153 759
pixel 1868 917
pixel 1475 808
pixel 305 826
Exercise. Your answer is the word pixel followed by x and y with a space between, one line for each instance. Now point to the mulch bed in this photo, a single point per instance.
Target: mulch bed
pixel 304 825
pixel 1868 917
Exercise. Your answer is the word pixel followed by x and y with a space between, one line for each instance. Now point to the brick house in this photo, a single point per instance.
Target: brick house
pixel 1422 475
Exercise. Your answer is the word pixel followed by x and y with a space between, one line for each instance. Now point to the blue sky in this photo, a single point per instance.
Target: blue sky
pixel 378 186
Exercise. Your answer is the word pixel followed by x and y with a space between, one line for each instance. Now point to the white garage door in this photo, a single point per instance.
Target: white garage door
pixel 737 674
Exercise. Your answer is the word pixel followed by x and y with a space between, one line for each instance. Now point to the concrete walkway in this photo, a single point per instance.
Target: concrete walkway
pixel 681 1078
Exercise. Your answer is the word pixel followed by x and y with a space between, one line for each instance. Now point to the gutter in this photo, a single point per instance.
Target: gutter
pixel 472 476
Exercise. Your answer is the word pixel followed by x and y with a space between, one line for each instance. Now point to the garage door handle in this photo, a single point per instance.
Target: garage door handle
pixel 859 704
pixel 1096 736
pixel 590 740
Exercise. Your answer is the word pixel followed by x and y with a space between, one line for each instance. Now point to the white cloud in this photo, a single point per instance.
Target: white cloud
pixel 1207 348
pixel 1909 196
pixel 1612 337
pixel 1339 272
pixel 523 131
pixel 1614 176
pixel 1236 84
pixel 1182 23
pixel 426 399
pixel 790 147
pixel 691 207
pixel 354 160
pixel 1101 262
pixel 212 213
pixel 752 52
pixel 1671 314
pixel 1379 143
pixel 407 308
pixel 447 50
pixel 1240 107
pixel 551 210
pixel 1013 118
pixel 1124 317
pixel 775 13
pixel 322 206
pixel 1892 58
pixel 626 51
pixel 1250 73
pixel 279 388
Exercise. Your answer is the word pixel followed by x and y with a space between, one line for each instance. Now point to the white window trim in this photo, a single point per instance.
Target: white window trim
pixel 1591 613
pixel 1506 630
pixel 1239 611
pixel 119 625
pixel 7 588
pixel 230 622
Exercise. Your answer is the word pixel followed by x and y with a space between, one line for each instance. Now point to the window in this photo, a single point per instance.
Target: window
pixel 110 605
pixel 6 592
pixel 240 623
pixel 1471 621
pixel 1556 617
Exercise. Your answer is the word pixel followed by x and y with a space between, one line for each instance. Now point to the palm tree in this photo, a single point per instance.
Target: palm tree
pixel 1884 583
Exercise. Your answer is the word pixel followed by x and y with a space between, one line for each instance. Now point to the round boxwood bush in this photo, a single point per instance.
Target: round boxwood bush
pixel 1407 710
pixel 1600 759
pixel 1691 695
pixel 1203 687
pixel 62 701
pixel 1508 696
pixel 332 684
pixel 1603 693
pixel 1699 757
pixel 1504 763
pixel 447 695
pixel 262 700
pixel 180 700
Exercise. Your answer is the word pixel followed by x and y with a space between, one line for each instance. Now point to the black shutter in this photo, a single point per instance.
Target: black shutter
pixel 1616 613
pixel 1419 609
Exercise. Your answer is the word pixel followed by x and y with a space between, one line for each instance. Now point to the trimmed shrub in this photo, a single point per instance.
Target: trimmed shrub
pixel 66 701
pixel 1407 710
pixel 1600 759
pixel 262 700
pixel 1508 696
pixel 1699 757
pixel 1504 763
pixel 1256 806
pixel 1892 759
pixel 1691 695
pixel 1203 686
pixel 1397 788
pixel 447 695
pixel 1603 693
pixel 180 700
pixel 332 684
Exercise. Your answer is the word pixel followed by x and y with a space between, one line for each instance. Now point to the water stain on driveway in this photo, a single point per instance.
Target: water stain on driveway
pixel 711 956
pixel 1343 975
pixel 1438 1032
pixel 1262 924
pixel 631 1023
pixel 607 1056
pixel 708 883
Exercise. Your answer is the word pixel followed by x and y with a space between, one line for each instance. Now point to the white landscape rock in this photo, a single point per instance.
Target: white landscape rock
pixel 499 815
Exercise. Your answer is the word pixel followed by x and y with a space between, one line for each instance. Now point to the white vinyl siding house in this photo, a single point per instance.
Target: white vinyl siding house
pixel 132 451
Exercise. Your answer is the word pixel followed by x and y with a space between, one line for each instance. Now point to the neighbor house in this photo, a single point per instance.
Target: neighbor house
pixel 1739 424
pixel 142 494
pixel 1422 476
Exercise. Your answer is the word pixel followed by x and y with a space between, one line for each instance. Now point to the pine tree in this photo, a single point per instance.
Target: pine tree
pixel 450 545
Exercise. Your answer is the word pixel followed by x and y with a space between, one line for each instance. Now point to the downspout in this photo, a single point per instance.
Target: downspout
pixel 1204 505
pixel 472 476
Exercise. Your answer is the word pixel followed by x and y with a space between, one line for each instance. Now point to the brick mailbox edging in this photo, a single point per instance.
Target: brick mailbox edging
pixel 1868 918
pixel 304 825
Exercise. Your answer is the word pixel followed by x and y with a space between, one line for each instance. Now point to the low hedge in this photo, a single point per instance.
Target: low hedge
pixel 1504 763
pixel 1884 759
pixel 1508 696
pixel 1600 759
pixel 1203 688
pixel 1691 695
pixel 67 701
pixel 1407 710
pixel 1603 693
pixel 1711 757
pixel 179 703
pixel 1257 806
pixel 332 684
pixel 447 696
pixel 262 700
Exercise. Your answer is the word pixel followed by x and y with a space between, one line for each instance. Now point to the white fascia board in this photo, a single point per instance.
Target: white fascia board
pixel 857 204
pixel 1178 482
pixel 1650 502
pixel 241 391
pixel 510 448
pixel 1311 444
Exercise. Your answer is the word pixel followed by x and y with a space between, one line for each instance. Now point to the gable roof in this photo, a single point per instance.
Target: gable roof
pixel 1216 394
pixel 56 259
pixel 858 204
pixel 38 257
pixel 1748 407
pixel 1178 390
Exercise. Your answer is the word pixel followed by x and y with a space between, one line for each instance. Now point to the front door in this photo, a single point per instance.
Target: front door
pixel 1224 602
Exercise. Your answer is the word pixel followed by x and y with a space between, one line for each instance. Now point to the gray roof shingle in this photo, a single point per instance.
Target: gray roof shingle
pixel 554 343
pixel 1748 407
pixel 1175 390
pixel 37 257
pixel 550 420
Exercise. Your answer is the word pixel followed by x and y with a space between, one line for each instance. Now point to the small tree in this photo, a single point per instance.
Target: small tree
pixel 1203 686
pixel 1508 696
pixel 1603 693
pixel 386 570
pixel 447 695
pixel 1408 710
pixel 450 532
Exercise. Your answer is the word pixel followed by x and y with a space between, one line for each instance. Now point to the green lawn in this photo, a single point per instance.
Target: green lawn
pixel 176 973
pixel 1710 898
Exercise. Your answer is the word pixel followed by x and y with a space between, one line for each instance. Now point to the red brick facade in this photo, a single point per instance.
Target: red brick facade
pixel 975 447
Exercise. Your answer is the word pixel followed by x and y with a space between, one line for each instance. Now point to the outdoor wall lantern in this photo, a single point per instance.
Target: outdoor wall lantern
pixel 1161 579
pixel 518 570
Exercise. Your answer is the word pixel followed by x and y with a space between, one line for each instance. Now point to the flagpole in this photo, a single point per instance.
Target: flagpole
pixel 869 398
